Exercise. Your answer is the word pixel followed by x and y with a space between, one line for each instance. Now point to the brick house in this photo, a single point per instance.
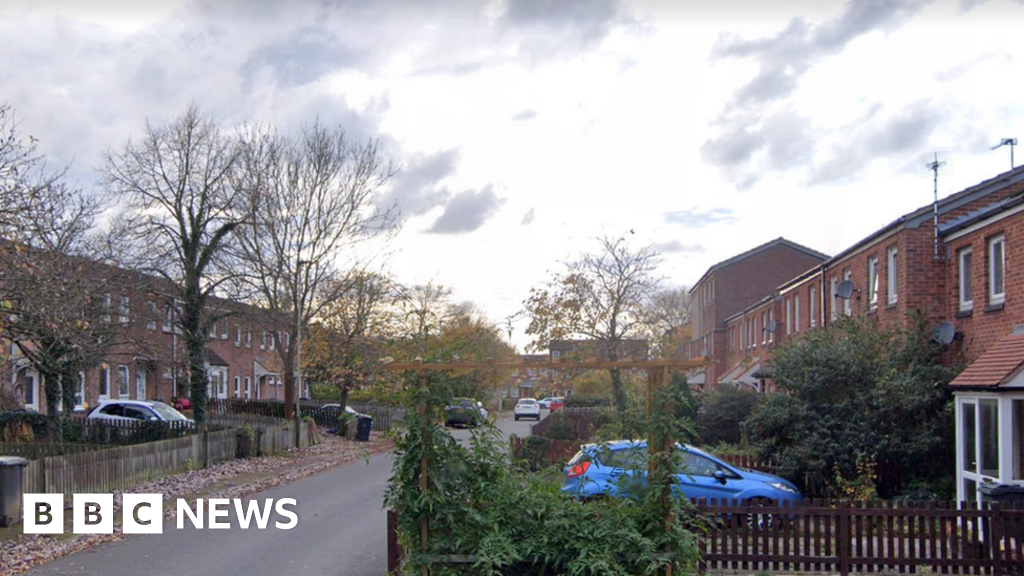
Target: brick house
pixel 148 358
pixel 729 288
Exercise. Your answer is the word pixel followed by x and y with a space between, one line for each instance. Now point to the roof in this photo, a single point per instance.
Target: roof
pixel 998 365
pixel 949 203
pixel 780 241
pixel 214 359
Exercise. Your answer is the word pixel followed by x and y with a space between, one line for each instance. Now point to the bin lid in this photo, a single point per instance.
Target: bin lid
pixel 996 489
pixel 12 461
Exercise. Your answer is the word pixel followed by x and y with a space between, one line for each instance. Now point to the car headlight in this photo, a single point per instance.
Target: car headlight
pixel 783 487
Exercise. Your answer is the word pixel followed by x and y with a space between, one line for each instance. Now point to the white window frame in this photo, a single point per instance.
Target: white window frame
pixel 140 383
pixel 238 387
pixel 152 309
pixel 813 297
pixel 892 274
pixel 248 337
pixel 124 311
pixel 847 302
pixel 248 387
pixel 104 383
pixel 80 392
pixel 789 316
pixel 124 389
pixel 796 313
pixel 965 289
pixel 873 282
pixel 997 270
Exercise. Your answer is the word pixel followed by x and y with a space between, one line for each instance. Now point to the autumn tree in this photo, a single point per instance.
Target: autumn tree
pixel 313 196
pixel 351 335
pixel 178 186
pixel 668 311
pixel 600 297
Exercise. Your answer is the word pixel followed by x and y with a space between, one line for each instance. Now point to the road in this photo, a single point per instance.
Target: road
pixel 341 531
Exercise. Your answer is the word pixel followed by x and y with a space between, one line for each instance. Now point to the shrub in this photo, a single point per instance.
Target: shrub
pixel 246 442
pixel 721 411
pixel 586 401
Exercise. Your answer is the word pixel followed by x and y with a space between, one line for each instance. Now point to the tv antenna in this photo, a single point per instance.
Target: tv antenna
pixel 935 165
pixel 1011 142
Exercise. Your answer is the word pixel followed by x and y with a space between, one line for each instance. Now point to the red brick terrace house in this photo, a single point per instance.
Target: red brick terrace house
pixel 729 288
pixel 148 360
pixel 903 267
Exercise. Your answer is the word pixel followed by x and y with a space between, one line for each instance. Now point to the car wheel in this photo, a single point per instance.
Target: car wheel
pixel 757 521
pixel 517 418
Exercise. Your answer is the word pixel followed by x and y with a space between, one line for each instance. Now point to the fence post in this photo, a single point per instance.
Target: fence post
pixel 844 538
pixel 994 537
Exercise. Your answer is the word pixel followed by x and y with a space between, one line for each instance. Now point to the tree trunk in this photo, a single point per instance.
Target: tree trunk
pixel 195 345
pixel 618 390
pixel 51 386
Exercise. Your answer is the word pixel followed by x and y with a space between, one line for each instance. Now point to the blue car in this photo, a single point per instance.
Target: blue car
pixel 614 468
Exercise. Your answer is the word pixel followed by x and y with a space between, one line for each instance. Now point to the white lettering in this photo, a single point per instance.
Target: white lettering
pixel 185 510
pixel 282 511
pixel 253 511
pixel 218 509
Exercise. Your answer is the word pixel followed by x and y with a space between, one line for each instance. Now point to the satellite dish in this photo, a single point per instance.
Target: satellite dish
pixel 844 290
pixel 944 333
pixel 771 326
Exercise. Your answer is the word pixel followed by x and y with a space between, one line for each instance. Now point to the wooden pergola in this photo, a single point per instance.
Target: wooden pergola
pixel 659 372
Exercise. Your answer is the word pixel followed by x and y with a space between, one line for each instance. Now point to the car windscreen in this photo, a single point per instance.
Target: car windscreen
pixel 166 412
pixel 630 458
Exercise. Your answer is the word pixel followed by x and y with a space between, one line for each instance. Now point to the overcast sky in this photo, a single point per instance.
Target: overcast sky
pixel 525 129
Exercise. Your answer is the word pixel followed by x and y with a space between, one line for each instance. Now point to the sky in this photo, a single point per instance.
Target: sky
pixel 524 130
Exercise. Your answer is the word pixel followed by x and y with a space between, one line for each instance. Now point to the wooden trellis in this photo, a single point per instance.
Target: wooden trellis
pixel 659 373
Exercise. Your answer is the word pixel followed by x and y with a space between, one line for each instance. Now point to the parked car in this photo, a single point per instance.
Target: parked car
pixel 556 403
pixel 616 468
pixel 545 403
pixel 465 412
pixel 527 408
pixel 182 403
pixel 143 410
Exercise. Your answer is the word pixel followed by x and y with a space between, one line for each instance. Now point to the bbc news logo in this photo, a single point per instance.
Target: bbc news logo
pixel 144 514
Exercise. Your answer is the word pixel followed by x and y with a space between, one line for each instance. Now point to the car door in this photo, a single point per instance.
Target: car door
pixel 702 477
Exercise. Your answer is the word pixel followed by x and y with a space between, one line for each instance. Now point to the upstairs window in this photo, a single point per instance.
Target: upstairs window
pixel 996 269
pixel 813 297
pixel 892 275
pixel 796 313
pixel 847 306
pixel 873 282
pixel 965 260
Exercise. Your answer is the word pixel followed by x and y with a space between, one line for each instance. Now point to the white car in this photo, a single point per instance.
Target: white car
pixel 527 408
pixel 545 403
pixel 140 410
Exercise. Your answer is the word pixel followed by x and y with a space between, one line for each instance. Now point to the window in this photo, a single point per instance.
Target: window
pixel 104 382
pixel 124 310
pixel 813 297
pixel 80 392
pixel 248 387
pixel 263 340
pixel 151 316
pixel 238 387
pixel 771 321
pixel 796 313
pixel 965 259
pixel 213 329
pixel 847 306
pixel 140 384
pixel 273 341
pixel 764 327
pixel 225 327
pixel 892 275
pixel 248 337
pixel 873 282
pixel 106 307
pixel 123 389
pixel 238 336
pixel 168 318
pixel 789 316
pixel 996 263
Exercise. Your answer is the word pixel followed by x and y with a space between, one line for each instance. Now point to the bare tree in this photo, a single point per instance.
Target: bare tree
pixel 178 186
pixel 55 296
pixel 313 196
pixel 669 313
pixel 425 308
pixel 600 297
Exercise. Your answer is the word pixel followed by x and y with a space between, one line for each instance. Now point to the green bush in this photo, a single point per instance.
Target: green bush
pixel 245 442
pixel 475 504
pixel 586 401
pixel 721 411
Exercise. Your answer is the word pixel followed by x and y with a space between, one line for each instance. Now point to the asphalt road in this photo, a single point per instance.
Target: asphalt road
pixel 341 531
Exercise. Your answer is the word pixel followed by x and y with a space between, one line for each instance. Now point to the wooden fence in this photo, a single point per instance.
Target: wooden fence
pixel 580 421
pixel 883 536
pixel 37 450
pixel 839 537
pixel 384 416
pixel 125 466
